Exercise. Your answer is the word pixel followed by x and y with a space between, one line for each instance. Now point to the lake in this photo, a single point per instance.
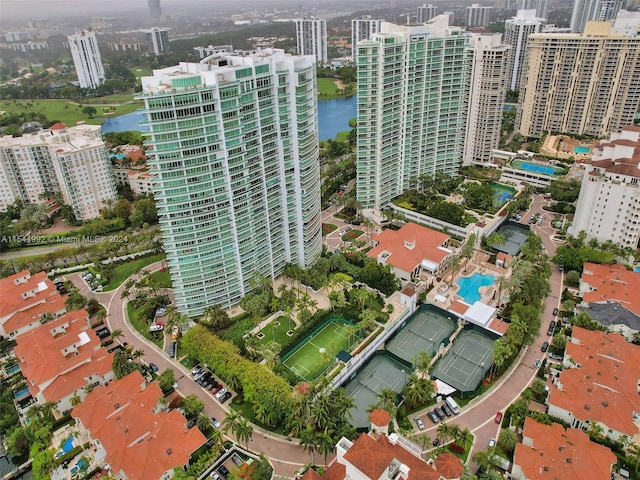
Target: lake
pixel 333 118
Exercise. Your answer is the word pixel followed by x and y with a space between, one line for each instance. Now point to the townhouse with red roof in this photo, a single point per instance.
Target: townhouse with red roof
pixel 411 249
pixel 599 384
pixel 133 436
pixel 378 455
pixel 610 295
pixel 62 357
pixel 24 301
pixel 549 452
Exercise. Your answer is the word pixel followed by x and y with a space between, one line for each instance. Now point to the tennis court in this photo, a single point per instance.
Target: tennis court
pixel 516 236
pixel 468 361
pixel 425 331
pixel 381 372
pixel 318 351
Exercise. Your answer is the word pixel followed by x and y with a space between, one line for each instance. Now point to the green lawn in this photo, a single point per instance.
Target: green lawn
pixel 125 270
pixel 163 278
pixel 318 353
pixel 142 71
pixel 352 235
pixel 115 98
pixel 277 333
pixel 64 111
pixel 343 276
pixel 327 86
pixel 142 326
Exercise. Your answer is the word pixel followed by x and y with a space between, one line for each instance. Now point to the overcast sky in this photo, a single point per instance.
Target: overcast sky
pixel 43 9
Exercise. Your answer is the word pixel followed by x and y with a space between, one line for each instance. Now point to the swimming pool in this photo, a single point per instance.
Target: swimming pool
pixel 67 446
pixel 636 269
pixel 469 286
pixel 581 149
pixel 21 393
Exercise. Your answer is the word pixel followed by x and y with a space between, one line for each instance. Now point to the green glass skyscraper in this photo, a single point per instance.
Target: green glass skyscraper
pixel 237 175
pixel 412 94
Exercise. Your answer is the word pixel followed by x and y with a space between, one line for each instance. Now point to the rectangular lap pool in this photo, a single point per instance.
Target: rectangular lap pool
pixel 581 149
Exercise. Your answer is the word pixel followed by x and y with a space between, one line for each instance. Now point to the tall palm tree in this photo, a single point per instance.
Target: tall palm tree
pixel 138 354
pixel 230 422
pixel 422 363
pixel 117 334
pixel 387 401
pixel 444 431
pixel 325 444
pixel 244 431
pixel 508 439
pixel 308 441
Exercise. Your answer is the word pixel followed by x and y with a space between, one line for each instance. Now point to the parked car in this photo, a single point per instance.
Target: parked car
pixel 555 312
pixel 197 369
pixel 57 282
pixel 498 418
pixel 537 364
pixel 214 422
pixel 432 415
pixel 552 327
pixel 161 311
pixel 223 471
pixel 215 476
pixel 235 458
pixel 156 327
pixel 435 442
pixel 439 412
pixel 216 388
pixel 555 356
pixel 492 442
pixel 153 367
pixel 545 346
pixel 62 290
pixel 419 423
pixel 226 396
pixel 221 392
pixel 192 423
pixel 447 411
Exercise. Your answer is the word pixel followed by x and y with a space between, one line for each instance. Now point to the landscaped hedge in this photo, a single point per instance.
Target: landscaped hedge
pixel 269 395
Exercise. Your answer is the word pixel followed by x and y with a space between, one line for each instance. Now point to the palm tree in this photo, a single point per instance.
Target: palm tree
pixel 308 441
pixel 387 401
pixel 116 334
pixel 444 431
pixel 325 444
pixel 138 354
pixel 244 431
pixel 467 437
pixel 422 363
pixel 508 439
pixel 230 422
pixel 203 423
pixel 218 441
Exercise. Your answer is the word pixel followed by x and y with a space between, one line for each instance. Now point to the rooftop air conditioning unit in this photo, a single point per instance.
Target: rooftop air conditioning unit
pixel 394 468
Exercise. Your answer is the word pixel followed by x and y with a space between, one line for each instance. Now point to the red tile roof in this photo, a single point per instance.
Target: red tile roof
pixel 498 325
pixel 604 388
pixel 54 304
pixel 139 442
pixel 611 283
pixel 60 355
pixel 380 417
pixel 424 241
pixel 459 307
pixel 449 465
pixel 58 126
pixel 556 453
pixel 23 290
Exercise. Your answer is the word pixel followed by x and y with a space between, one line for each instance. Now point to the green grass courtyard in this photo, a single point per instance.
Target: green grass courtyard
pixel 276 331
pixel 318 352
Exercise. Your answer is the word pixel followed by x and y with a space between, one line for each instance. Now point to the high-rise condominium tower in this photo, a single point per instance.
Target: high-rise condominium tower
pixel 412 86
pixel 361 29
pixel 593 10
pixel 158 40
pixel 87 59
pixel 235 154
pixel 72 161
pixel 487 89
pixel 580 83
pixel 155 10
pixel 540 6
pixel 516 33
pixel 311 36
pixel 426 12
pixel 478 16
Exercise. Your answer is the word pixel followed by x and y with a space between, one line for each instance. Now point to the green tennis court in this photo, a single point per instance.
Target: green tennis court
pixel 318 352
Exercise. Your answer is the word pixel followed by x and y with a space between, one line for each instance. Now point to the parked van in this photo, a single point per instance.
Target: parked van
pixel 453 405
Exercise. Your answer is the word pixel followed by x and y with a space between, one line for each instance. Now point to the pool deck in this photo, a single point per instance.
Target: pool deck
pixel 551 143
pixel 445 296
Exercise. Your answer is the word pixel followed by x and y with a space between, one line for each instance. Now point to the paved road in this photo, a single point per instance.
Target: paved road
pixel 479 415
pixel 286 456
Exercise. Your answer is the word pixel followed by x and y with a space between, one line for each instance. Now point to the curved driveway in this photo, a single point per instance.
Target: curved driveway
pixel 286 455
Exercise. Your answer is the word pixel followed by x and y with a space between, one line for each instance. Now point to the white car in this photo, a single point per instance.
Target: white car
pixel 492 442
pixel 220 393
pixel 156 328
